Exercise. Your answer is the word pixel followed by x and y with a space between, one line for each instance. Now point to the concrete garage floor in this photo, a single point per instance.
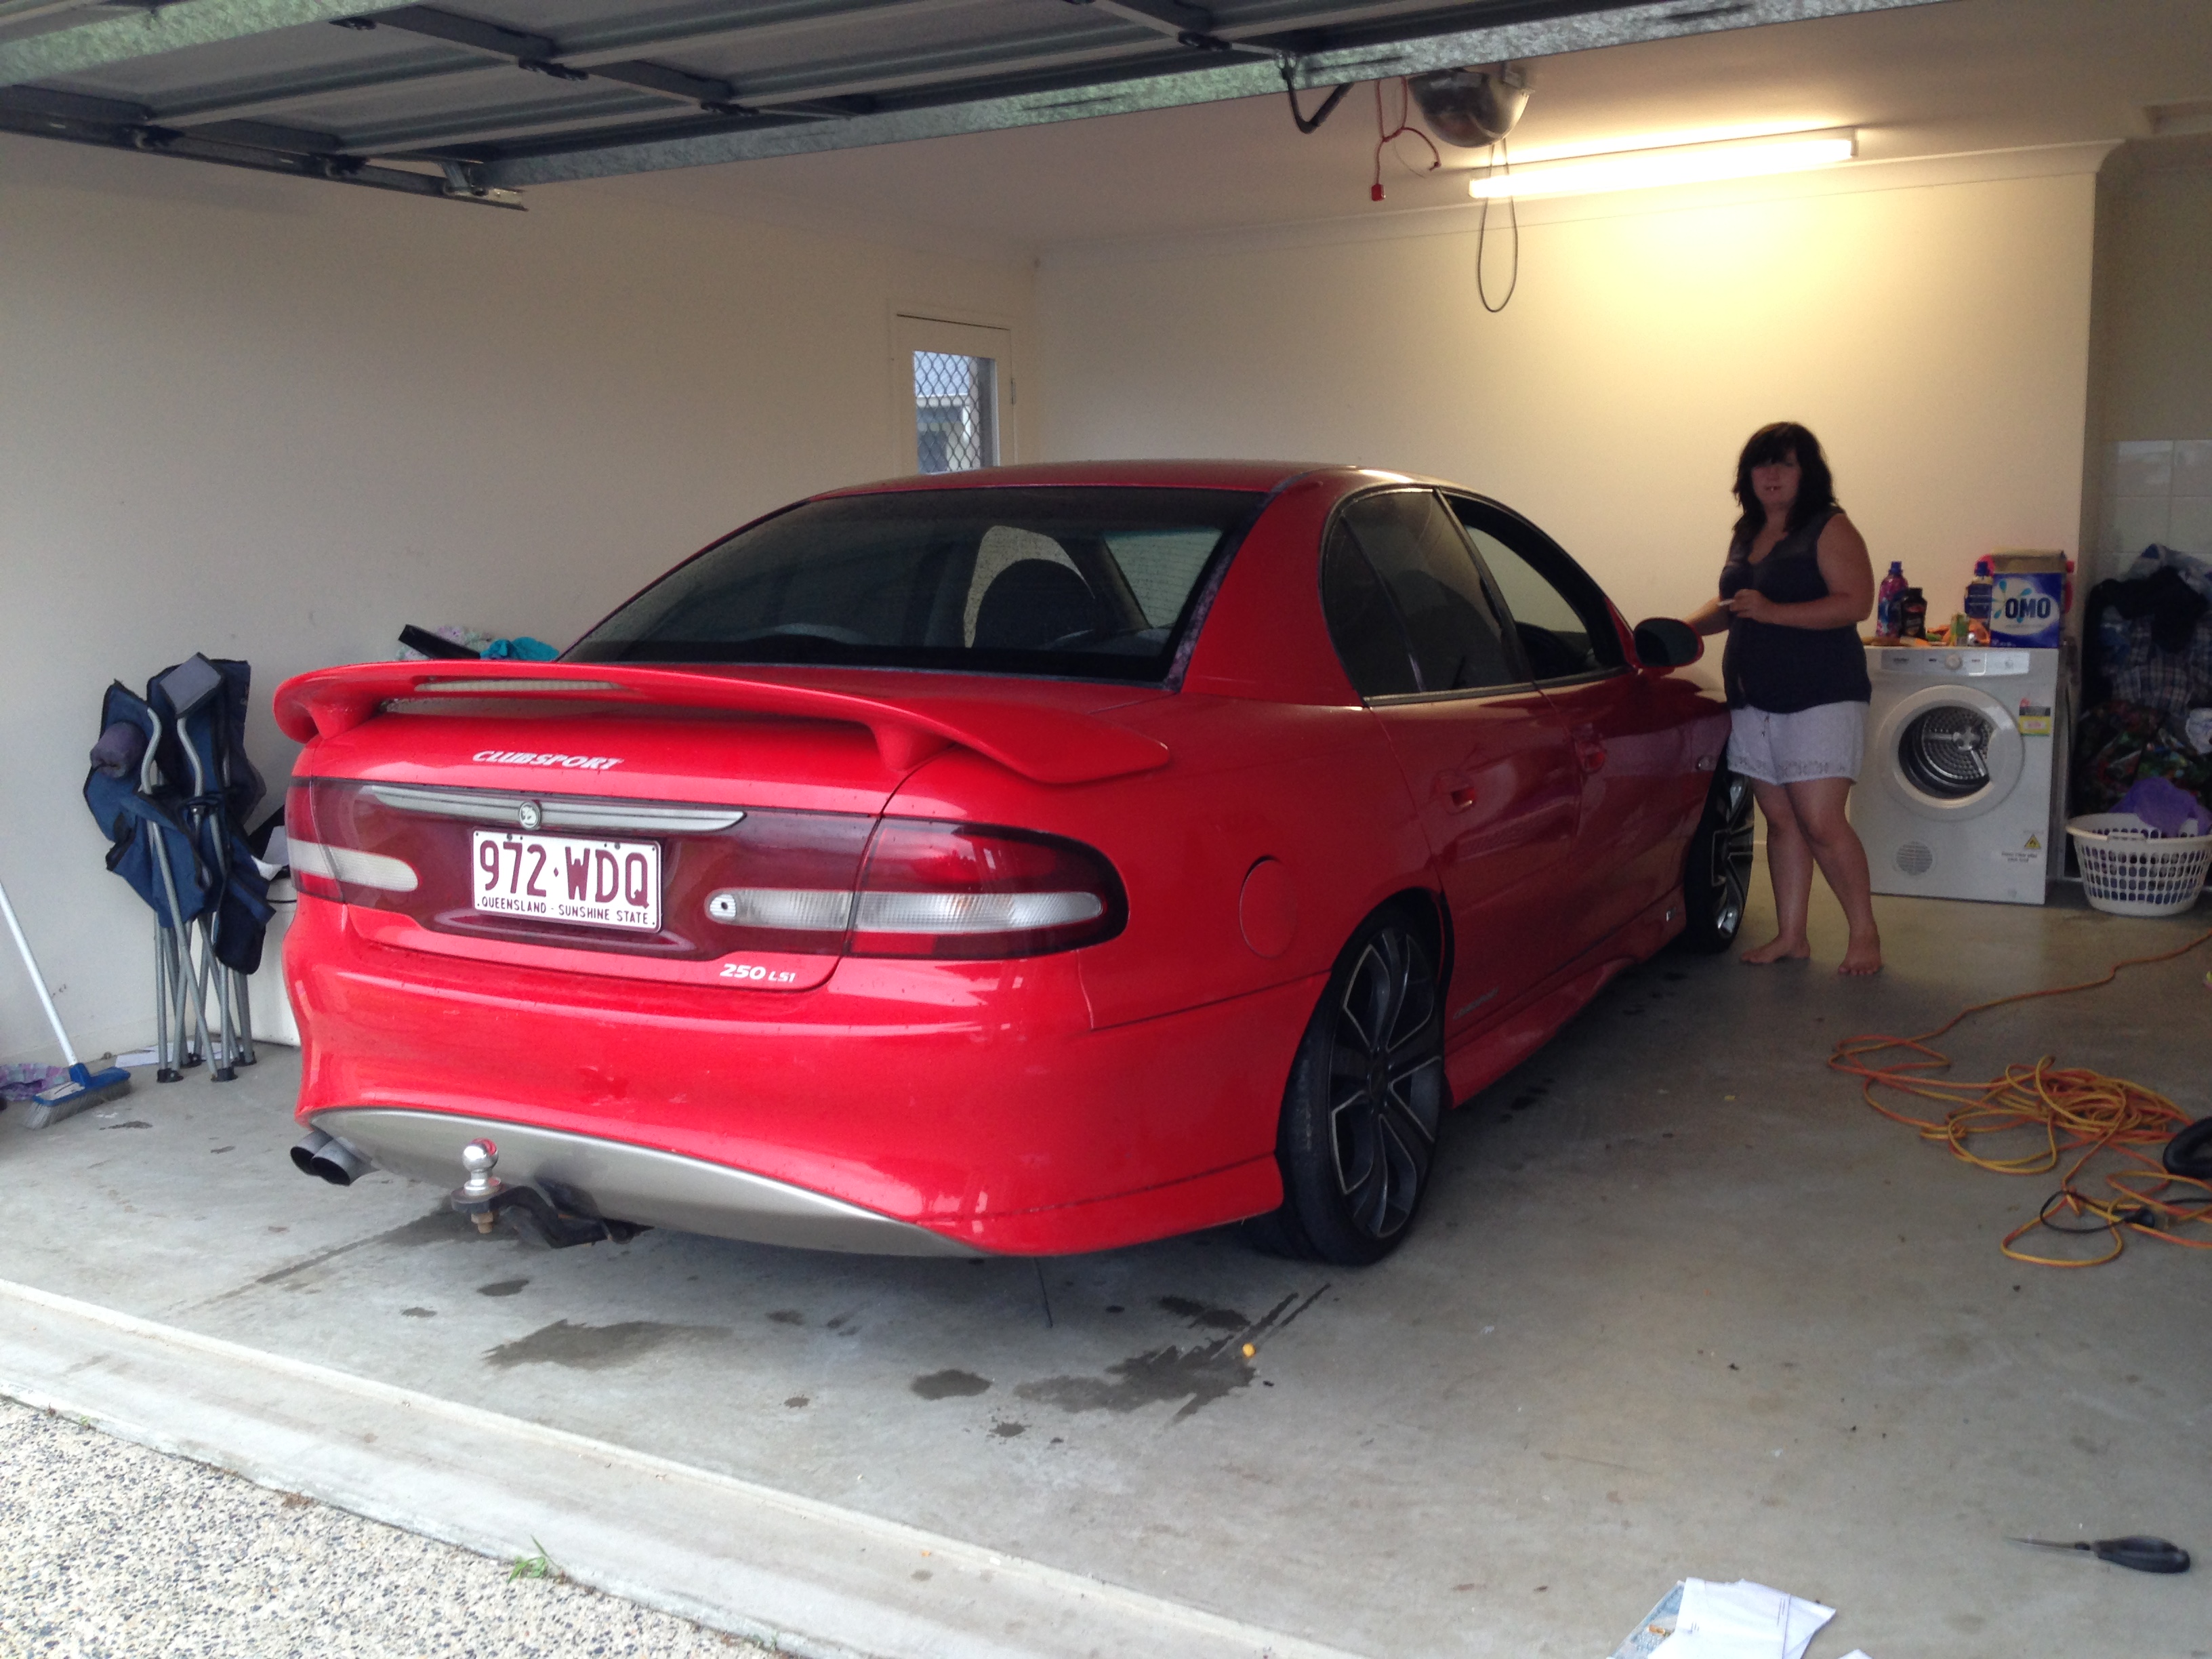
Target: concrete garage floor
pixel 1680 1305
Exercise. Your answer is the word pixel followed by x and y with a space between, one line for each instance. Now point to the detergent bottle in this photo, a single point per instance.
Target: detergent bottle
pixel 1886 622
pixel 1978 592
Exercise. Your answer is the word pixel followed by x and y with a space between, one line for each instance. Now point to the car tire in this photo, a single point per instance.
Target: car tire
pixel 1367 1092
pixel 1716 873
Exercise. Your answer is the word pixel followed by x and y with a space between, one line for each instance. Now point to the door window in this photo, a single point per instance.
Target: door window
pixel 1405 602
pixel 955 405
pixel 954 385
pixel 1560 617
pixel 1362 623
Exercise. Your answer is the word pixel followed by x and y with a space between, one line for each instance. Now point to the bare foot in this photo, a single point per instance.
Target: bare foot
pixel 1779 949
pixel 1863 957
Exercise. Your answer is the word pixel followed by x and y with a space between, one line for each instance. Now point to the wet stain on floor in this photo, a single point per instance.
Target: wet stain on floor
pixel 592 1348
pixel 502 1287
pixel 1010 1431
pixel 1195 1377
pixel 418 1313
pixel 440 1225
pixel 949 1385
pixel 1212 1318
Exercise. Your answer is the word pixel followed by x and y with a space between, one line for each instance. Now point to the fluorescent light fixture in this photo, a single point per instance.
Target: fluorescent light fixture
pixel 1646 166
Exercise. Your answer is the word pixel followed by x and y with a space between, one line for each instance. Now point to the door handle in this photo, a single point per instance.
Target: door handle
pixel 1589 748
pixel 1466 796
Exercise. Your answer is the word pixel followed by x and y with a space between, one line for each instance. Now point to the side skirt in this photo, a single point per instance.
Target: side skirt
pixel 1480 1057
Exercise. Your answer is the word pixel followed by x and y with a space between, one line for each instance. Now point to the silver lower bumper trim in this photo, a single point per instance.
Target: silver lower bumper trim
pixel 631 1184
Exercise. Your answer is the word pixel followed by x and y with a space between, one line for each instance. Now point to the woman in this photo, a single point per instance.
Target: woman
pixel 1797 584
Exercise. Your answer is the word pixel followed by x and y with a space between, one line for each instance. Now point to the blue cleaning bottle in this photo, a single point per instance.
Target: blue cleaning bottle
pixel 1887 597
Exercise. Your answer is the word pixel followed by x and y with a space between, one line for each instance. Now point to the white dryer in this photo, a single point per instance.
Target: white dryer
pixel 1957 796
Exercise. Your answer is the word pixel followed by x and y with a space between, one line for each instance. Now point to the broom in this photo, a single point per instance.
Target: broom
pixel 85 1087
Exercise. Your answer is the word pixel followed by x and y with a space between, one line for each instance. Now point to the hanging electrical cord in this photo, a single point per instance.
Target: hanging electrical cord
pixel 1308 124
pixel 1405 129
pixel 2078 1114
pixel 1482 236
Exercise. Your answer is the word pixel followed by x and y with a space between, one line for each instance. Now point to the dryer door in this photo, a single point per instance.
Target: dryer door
pixel 1948 752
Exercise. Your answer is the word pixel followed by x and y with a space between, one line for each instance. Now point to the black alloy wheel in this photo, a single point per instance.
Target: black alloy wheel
pixel 1716 874
pixel 1366 1095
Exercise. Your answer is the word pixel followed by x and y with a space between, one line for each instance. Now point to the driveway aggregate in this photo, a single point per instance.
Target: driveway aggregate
pixel 112 1551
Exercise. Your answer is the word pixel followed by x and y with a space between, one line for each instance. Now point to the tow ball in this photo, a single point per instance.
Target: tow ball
pixel 556 1217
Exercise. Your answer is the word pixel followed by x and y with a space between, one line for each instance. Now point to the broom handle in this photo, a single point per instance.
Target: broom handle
pixel 37 980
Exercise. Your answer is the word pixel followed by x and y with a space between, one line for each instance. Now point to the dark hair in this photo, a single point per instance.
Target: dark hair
pixel 1816 489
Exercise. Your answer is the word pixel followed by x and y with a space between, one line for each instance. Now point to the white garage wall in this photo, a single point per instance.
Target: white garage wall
pixel 2151 385
pixel 269 419
pixel 1933 334
pixel 2155 238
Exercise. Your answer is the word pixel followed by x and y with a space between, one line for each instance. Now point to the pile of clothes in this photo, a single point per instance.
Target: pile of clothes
pixel 2146 681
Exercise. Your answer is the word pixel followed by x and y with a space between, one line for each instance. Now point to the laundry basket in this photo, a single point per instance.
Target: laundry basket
pixel 2130 869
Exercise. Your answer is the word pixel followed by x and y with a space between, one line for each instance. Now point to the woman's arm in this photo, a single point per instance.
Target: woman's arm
pixel 1849 573
pixel 1710 617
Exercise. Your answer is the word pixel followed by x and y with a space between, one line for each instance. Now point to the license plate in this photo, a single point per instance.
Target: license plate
pixel 604 884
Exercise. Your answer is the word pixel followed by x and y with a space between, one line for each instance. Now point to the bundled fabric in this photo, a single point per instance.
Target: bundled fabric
pixel 2168 809
pixel 2117 745
pixel 2146 637
pixel 2146 670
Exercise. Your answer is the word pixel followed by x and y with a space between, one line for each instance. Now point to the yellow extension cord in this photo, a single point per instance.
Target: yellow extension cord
pixel 2077 1112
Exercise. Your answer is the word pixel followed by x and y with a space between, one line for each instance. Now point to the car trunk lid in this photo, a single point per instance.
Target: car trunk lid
pixel 663 823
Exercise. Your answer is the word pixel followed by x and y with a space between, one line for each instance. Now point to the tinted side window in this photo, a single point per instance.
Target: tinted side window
pixel 1161 567
pixel 1421 555
pixel 1560 617
pixel 1362 623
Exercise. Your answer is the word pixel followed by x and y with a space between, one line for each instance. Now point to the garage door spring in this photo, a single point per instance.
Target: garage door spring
pixel 2069 1116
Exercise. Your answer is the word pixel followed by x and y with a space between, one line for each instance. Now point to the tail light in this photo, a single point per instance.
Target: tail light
pixel 813 884
pixel 971 890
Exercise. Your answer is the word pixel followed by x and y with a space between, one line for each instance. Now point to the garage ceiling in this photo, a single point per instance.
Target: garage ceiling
pixel 477 101
pixel 1963 79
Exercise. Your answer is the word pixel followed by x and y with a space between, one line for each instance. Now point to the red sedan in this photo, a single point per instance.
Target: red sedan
pixel 1025 861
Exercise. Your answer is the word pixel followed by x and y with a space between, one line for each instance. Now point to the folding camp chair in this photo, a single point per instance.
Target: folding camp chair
pixel 171 786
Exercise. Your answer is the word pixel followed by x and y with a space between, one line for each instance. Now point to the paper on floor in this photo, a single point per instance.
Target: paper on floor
pixel 1701 1619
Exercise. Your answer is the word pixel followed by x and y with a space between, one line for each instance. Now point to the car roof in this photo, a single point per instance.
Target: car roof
pixel 1259 476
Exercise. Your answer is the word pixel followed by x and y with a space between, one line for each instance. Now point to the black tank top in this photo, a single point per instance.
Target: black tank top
pixel 1786 670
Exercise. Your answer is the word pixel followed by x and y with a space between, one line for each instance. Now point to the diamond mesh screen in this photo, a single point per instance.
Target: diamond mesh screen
pixel 954 402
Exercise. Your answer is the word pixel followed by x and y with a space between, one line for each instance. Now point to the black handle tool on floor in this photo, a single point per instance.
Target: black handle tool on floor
pixel 2142 1555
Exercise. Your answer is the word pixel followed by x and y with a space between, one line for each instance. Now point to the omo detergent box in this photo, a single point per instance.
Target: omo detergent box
pixel 2028 599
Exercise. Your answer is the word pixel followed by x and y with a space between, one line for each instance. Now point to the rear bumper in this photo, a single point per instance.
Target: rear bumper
pixel 970 1102
pixel 630 1183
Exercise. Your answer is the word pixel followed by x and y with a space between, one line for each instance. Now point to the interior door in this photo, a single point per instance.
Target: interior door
pixel 1486 756
pixel 1636 790
pixel 953 385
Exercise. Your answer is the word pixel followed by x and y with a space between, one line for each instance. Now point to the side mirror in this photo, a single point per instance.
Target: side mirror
pixel 1665 642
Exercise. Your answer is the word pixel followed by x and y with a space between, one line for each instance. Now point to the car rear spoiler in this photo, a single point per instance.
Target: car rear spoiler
pixel 1050 745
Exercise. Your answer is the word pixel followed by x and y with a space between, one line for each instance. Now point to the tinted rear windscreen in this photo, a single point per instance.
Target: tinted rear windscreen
pixel 1084 582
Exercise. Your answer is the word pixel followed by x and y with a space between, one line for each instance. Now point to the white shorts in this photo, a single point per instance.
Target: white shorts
pixel 1828 740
